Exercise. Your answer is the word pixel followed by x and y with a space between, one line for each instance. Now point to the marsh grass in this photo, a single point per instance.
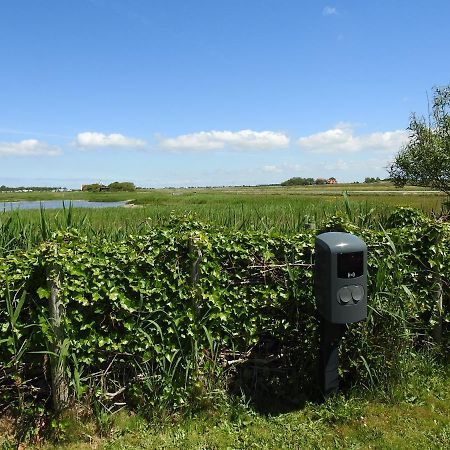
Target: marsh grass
pixel 264 209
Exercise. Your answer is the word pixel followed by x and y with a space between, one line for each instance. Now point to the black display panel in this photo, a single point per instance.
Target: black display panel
pixel 350 265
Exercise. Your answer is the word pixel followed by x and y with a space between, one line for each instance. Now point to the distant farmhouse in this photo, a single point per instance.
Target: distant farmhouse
pixel 331 180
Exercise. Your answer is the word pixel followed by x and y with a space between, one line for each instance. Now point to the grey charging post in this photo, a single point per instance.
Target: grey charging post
pixel 340 285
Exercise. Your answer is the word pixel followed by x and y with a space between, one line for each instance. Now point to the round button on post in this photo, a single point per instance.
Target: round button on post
pixel 357 293
pixel 344 295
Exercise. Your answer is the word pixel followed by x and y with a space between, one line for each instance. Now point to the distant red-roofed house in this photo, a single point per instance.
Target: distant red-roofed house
pixel 331 180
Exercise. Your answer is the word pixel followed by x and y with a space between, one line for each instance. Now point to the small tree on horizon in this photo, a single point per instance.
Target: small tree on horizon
pixel 298 181
pixel 122 186
pixel 425 159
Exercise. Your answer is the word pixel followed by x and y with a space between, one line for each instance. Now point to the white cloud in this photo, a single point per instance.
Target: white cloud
pixel 272 169
pixel 92 139
pixel 28 147
pixel 217 140
pixel 329 11
pixel 357 166
pixel 341 138
pixel 283 168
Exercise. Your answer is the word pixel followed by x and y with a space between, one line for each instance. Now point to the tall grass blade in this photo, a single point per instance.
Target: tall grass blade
pixel 348 208
pixel 44 223
pixel 369 372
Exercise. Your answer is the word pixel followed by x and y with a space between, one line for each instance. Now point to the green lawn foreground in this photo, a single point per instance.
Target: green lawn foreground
pixel 412 414
pixel 353 423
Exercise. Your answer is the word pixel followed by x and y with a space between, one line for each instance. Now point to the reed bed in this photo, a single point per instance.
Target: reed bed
pixel 239 210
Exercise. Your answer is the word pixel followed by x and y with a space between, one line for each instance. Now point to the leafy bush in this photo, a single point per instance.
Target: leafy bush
pixel 149 319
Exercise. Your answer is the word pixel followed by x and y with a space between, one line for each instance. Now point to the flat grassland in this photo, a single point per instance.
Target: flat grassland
pixel 144 196
pixel 267 208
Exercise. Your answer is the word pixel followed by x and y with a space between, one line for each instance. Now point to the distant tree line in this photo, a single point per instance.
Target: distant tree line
pixel 4 188
pixel 372 179
pixel 114 187
pixel 299 181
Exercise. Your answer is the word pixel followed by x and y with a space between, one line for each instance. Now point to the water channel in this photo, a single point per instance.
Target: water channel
pixel 55 204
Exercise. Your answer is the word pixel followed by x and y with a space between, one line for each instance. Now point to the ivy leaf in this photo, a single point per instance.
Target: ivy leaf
pixel 43 293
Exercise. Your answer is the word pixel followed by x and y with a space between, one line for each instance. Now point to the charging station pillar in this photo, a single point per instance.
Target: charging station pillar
pixel 340 285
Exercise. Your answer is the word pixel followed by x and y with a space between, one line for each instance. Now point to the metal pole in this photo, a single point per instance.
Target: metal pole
pixel 330 339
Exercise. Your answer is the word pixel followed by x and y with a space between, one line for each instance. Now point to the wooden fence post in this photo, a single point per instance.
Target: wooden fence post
pixel 60 388
pixel 196 256
pixel 438 297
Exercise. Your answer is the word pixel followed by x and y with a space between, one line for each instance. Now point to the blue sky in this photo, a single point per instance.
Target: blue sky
pixel 212 92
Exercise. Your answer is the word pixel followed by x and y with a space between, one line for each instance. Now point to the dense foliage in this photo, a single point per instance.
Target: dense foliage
pixel 116 186
pixel 155 318
pixel 372 180
pixel 300 181
pixel 425 159
pixel 122 186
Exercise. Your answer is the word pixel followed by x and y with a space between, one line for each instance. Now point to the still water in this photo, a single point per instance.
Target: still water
pixel 54 204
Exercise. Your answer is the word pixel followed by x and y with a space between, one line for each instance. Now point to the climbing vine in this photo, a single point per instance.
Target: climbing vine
pixel 150 318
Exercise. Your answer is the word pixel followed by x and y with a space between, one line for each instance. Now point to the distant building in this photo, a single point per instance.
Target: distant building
pixel 331 180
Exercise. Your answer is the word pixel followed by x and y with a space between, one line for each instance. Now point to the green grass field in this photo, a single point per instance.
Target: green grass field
pixel 143 196
pixel 281 209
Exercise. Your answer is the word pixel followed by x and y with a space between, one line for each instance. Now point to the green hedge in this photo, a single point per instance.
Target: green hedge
pixel 155 313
